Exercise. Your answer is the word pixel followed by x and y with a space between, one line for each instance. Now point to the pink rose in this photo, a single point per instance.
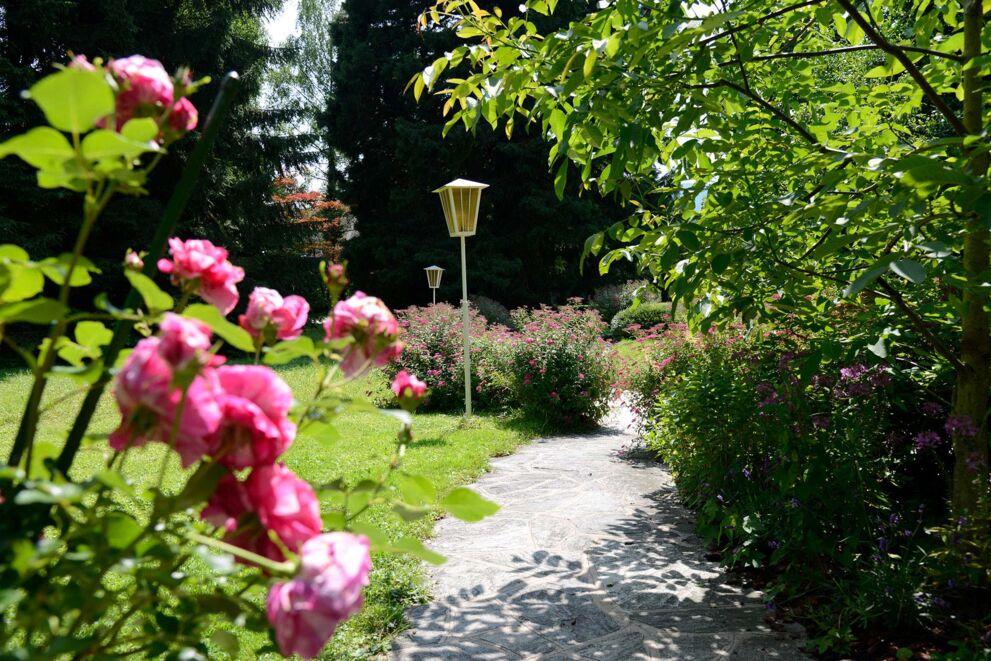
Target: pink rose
pixel 267 307
pixel 149 403
pixel 184 342
pixel 408 389
pixel 372 326
pixel 281 502
pixel 306 611
pixel 145 87
pixel 205 265
pixel 255 428
pixel 183 117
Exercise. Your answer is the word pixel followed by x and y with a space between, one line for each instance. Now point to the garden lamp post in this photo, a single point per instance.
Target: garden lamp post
pixel 460 199
pixel 434 274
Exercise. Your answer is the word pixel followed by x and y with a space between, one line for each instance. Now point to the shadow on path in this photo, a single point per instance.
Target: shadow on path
pixel 591 557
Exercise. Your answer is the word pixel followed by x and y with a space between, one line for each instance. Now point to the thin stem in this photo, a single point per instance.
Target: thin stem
pixel 286 568
pixel 839 51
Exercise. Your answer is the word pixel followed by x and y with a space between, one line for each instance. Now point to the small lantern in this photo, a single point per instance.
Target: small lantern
pixel 460 199
pixel 434 274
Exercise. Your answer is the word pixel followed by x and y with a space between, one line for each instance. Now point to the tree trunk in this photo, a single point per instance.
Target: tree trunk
pixel 970 473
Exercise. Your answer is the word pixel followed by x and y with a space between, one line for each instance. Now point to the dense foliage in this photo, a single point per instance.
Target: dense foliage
pixel 234 202
pixel 387 154
pixel 555 367
pixel 805 153
pixel 832 478
pixel 645 315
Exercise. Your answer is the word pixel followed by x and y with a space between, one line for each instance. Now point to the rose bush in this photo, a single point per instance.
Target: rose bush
pixel 555 368
pixel 92 566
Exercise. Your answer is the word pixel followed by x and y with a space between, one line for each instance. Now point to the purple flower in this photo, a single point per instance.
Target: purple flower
pixel 795 502
pixel 932 409
pixel 853 372
pixel 894 519
pixel 974 462
pixel 941 603
pixel 774 545
pixel 883 544
pixel 961 425
pixel 927 440
pixel 746 472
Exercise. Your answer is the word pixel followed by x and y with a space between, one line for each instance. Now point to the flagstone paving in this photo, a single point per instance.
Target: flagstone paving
pixel 590 557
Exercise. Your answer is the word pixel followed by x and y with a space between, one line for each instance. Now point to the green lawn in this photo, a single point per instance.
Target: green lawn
pixel 444 449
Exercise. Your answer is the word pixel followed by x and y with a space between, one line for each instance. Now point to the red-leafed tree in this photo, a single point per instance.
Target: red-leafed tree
pixel 327 220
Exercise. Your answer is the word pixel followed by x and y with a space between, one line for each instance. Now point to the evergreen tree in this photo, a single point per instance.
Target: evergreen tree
pixel 388 154
pixel 232 203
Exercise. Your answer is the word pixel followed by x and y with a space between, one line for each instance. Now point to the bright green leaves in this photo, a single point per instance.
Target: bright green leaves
pixel 231 333
pixel 42 147
pixel 284 352
pixel 467 505
pixel 155 299
pixel 59 269
pixel 908 269
pixel 73 100
pixel 20 278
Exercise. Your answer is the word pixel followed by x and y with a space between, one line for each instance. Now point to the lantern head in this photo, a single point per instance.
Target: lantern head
pixel 460 199
pixel 434 274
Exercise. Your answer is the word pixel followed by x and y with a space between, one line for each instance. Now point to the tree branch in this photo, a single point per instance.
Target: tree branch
pixel 899 54
pixel 920 324
pixel 777 112
pixel 762 20
pixel 845 49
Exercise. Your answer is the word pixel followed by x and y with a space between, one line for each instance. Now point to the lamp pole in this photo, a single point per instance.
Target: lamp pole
pixel 460 200
pixel 464 319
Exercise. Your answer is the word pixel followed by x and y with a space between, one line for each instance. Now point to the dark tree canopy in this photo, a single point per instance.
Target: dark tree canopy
pixel 232 204
pixel 388 154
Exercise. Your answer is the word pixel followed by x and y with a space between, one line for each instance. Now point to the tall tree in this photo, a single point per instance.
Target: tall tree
pixel 388 154
pixel 233 200
pixel 782 195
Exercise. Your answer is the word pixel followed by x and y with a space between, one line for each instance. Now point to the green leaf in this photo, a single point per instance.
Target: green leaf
pixel 43 147
pixel 910 270
pixel 720 263
pixel 561 179
pixel 416 489
pixel 73 100
pixel 140 129
pixel 234 335
pixel 57 268
pixel 878 348
pixel 290 350
pixel 156 299
pixel 867 277
pixel 122 530
pixel 467 505
pixel 415 548
pixel 226 641
pixel 19 281
pixel 93 334
pixel 35 311
pixel 104 144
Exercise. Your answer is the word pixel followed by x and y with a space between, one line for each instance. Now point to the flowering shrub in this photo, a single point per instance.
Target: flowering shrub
pixel 561 367
pixel 644 316
pixel 93 567
pixel 434 347
pixel 827 473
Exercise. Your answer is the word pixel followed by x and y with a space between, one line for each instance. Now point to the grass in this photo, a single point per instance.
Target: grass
pixel 445 449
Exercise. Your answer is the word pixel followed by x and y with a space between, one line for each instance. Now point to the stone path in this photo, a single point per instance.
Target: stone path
pixel 590 557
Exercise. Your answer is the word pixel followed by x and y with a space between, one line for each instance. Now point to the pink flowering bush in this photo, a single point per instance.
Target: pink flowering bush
pixel 556 368
pixel 562 368
pixel 434 349
pixel 91 565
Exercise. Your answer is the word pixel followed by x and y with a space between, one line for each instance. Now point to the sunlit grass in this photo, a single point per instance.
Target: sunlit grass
pixel 445 449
